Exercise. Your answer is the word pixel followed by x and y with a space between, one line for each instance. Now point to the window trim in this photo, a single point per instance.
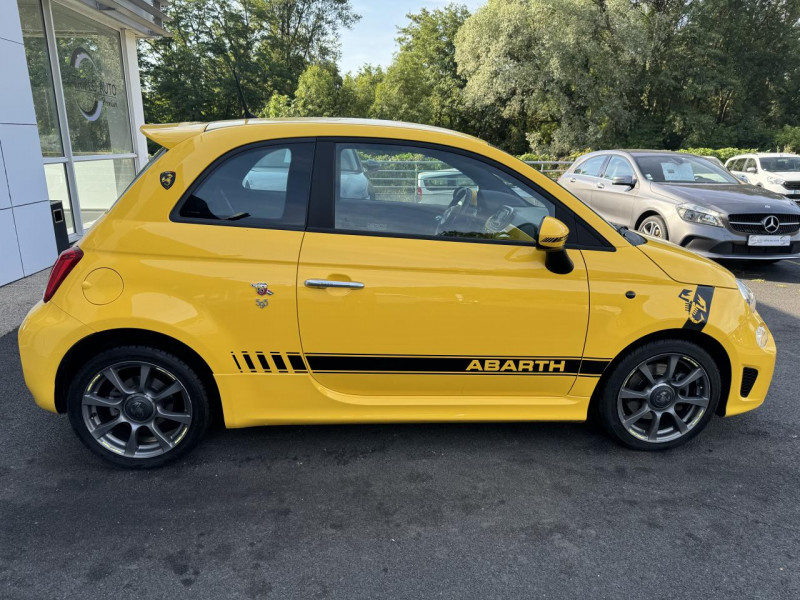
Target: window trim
pixel 602 170
pixel 608 163
pixel 321 215
pixel 176 217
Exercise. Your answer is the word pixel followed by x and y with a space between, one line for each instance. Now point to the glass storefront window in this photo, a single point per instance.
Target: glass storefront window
pixel 90 59
pixel 44 98
pixel 57 189
pixel 100 183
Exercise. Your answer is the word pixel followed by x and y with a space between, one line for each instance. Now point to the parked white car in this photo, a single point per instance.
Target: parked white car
pixel 437 187
pixel 777 172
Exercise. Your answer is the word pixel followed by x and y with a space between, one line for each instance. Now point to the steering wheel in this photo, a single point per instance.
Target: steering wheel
pixel 464 202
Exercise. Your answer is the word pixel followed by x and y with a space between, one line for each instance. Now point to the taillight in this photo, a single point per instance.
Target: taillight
pixel 419 191
pixel 65 263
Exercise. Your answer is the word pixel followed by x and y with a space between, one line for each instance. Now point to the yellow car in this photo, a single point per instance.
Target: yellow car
pixel 287 272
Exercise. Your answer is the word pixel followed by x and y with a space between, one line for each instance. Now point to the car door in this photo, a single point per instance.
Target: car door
pixel 615 202
pixel 584 179
pixel 402 298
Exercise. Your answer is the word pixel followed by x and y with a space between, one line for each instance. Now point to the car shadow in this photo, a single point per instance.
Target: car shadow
pixel 785 271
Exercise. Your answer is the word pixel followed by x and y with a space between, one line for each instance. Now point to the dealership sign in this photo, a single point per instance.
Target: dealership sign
pixel 88 79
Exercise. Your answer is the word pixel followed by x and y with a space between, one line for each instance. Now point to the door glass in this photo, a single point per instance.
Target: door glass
pixel 618 167
pixel 90 58
pixel 261 187
pixel 405 190
pixel 57 189
pixel 41 78
pixel 591 166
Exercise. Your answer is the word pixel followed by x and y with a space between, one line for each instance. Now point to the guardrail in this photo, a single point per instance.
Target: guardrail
pixel 397 180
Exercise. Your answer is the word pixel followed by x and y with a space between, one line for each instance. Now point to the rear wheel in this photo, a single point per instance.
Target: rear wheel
pixel 654 226
pixel 138 406
pixel 660 395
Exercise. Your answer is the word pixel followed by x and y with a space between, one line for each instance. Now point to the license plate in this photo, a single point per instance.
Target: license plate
pixel 768 240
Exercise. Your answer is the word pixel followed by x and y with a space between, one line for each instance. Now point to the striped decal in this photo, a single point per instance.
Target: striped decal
pixel 294 362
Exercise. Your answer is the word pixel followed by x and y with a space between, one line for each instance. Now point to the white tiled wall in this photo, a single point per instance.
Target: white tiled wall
pixel 27 240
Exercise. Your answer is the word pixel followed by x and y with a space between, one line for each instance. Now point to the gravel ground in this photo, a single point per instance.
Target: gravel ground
pixel 409 511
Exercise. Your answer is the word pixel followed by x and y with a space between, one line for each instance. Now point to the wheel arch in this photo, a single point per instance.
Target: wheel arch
pixel 648 213
pixel 705 341
pixel 98 342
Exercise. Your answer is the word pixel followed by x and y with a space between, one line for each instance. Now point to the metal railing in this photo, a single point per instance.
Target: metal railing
pixel 397 180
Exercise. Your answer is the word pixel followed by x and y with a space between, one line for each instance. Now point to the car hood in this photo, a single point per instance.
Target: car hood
pixel 684 266
pixel 727 198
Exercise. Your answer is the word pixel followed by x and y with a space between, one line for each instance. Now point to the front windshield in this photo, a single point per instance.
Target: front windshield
pixel 675 168
pixel 780 164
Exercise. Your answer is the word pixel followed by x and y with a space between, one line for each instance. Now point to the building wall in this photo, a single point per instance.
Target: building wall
pixel 27 239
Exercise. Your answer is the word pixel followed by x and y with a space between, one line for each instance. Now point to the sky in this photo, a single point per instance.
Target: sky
pixel 371 40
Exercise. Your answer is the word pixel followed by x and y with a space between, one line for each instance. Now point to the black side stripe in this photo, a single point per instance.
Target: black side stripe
pixel 249 362
pixel 297 363
pixel 263 361
pixel 236 361
pixel 279 362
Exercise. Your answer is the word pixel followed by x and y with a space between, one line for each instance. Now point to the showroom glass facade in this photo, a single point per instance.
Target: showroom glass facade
pixel 77 68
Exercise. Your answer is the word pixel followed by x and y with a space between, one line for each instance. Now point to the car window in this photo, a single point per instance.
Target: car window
pixel 675 168
pixel 618 167
pixel 749 163
pixel 736 164
pixel 259 187
pixel 466 199
pixel 781 164
pixel 591 166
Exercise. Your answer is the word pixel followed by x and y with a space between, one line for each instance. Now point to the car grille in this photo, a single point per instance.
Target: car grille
pixel 749 377
pixel 792 185
pixel 752 223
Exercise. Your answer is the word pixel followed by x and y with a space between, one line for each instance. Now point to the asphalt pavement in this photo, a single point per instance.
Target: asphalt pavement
pixel 410 511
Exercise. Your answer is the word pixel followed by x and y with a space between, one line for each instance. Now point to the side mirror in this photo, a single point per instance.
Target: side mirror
pixel 628 180
pixel 751 170
pixel 552 239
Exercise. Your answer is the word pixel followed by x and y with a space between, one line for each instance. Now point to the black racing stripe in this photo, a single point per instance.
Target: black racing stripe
pixel 593 366
pixel 249 362
pixel 443 364
pixel 279 362
pixel 263 362
pixel 236 360
pixel 297 362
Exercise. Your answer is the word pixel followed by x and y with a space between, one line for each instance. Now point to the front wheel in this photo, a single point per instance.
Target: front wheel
pixel 654 226
pixel 138 406
pixel 660 395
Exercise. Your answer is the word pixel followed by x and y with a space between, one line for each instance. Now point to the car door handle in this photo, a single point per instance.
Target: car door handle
pixel 329 283
pixel 572 180
pixel 600 186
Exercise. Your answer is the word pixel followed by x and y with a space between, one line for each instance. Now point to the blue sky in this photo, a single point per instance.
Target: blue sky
pixel 371 40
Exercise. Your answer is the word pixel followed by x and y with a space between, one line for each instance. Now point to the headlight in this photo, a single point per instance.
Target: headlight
pixel 775 180
pixel 747 294
pixel 699 214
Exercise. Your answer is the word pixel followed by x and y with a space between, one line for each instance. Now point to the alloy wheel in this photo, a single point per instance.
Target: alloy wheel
pixel 136 409
pixel 663 398
pixel 652 228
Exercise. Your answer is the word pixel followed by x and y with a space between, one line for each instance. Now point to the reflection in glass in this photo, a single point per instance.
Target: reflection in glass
pixel 90 58
pixel 57 190
pixel 44 99
pixel 100 183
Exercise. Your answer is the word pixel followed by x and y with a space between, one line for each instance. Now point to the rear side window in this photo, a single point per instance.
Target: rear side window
pixel 266 186
pixel 591 166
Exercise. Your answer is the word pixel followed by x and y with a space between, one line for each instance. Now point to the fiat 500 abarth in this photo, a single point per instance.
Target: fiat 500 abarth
pixel 299 298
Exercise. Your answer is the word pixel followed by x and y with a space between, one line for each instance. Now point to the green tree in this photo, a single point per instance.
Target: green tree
pixel 264 44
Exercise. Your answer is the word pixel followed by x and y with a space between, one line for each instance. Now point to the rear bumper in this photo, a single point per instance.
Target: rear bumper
pixel 45 336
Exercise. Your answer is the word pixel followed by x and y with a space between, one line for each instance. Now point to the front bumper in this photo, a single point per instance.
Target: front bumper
pixel 722 243
pixel 45 337
pixel 745 353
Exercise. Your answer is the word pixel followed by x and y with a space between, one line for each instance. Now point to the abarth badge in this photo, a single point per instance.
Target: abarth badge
pixel 167 179
pixel 262 289
pixel 696 306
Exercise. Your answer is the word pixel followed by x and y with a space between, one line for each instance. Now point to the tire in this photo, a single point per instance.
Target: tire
pixel 654 226
pixel 680 405
pixel 168 414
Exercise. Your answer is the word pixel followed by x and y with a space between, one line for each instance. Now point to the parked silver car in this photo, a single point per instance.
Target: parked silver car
pixel 688 200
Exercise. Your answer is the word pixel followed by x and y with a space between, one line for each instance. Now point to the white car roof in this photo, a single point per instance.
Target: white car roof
pixel 762 155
